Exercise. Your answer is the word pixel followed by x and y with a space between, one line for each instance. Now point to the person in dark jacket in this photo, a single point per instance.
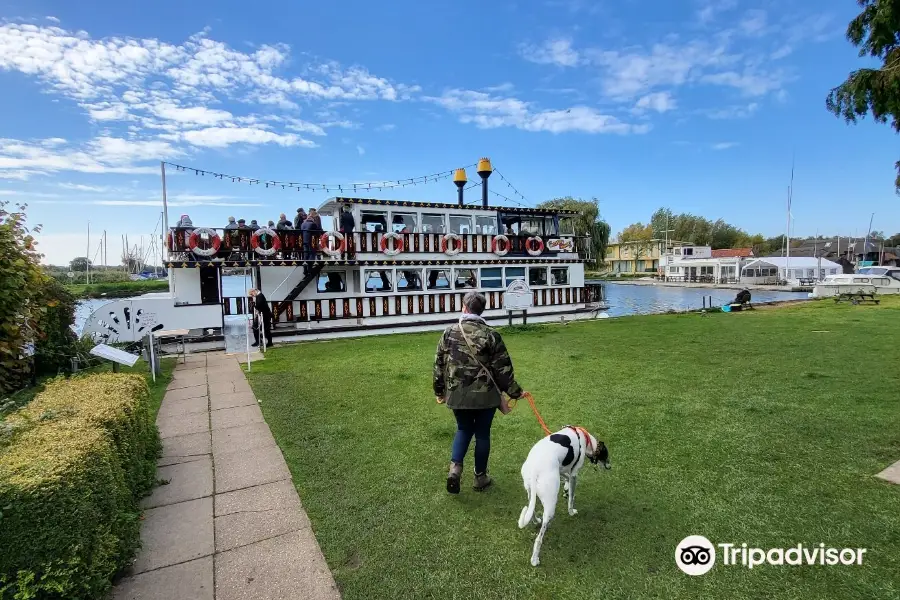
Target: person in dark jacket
pixel 298 220
pixel 253 224
pixel 314 215
pixel 472 370
pixel 347 224
pixel 283 223
pixel 231 224
pixel 308 230
pixel 262 317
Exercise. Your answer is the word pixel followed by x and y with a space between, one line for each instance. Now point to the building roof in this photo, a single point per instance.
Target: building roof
pixel 794 262
pixel 332 202
pixel 732 253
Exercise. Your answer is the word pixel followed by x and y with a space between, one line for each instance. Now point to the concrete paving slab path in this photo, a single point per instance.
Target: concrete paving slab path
pixel 229 524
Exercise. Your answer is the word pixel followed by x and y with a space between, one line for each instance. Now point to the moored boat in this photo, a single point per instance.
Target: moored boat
pixel 406 267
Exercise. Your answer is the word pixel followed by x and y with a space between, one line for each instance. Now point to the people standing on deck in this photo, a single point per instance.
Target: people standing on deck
pixel 298 220
pixel 314 214
pixel 271 225
pixel 283 223
pixel 231 224
pixel 253 224
pixel 262 317
pixel 308 230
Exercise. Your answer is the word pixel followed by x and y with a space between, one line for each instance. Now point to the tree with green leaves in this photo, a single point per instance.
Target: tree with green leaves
pixel 876 32
pixel 587 223
pixel 79 264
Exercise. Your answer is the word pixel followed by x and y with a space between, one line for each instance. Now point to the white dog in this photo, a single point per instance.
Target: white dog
pixel 560 454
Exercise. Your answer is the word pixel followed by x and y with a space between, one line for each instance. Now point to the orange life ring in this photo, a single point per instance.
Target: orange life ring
pixel 495 245
pixel 326 247
pixel 529 246
pixel 396 248
pixel 451 244
pixel 214 242
pixel 276 241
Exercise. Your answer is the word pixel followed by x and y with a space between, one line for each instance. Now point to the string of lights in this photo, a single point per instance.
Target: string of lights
pixel 507 198
pixel 510 186
pixel 322 187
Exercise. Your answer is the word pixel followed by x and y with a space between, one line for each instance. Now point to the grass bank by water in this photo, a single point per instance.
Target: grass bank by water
pixel 119 289
pixel 762 428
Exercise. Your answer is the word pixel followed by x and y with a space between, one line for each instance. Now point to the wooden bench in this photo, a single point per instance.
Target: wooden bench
pixel 857 298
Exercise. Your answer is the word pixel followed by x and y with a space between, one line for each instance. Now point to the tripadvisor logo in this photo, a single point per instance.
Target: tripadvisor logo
pixel 696 555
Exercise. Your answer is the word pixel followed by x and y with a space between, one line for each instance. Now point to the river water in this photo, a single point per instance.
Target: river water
pixel 623 299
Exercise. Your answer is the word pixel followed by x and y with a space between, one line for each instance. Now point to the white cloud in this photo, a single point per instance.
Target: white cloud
pixel 194 115
pixel 221 137
pixel 724 145
pixel 742 111
pixel 552 52
pixel 713 8
pixel 660 102
pixel 748 82
pixel 754 23
pixel 79 187
pixel 782 52
pixel 488 112
pixel 52 19
pixel 360 150
pixel 100 155
pixel 386 127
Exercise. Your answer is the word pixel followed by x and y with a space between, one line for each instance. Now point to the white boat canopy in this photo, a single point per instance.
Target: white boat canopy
pixel 794 262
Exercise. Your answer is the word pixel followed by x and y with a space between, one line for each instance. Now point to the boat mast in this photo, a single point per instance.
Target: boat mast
pixel 165 211
pixel 866 242
pixel 87 258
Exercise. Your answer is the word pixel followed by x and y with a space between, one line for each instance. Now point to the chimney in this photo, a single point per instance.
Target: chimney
pixel 460 179
pixel 484 171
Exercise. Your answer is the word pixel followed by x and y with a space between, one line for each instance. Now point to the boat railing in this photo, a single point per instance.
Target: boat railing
pixel 238 244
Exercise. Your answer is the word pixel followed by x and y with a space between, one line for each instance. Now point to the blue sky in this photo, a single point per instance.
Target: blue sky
pixel 693 104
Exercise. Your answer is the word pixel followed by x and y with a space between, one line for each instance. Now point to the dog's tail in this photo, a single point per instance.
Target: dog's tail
pixel 528 511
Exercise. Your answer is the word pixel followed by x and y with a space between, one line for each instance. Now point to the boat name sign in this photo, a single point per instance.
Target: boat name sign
pixel 518 296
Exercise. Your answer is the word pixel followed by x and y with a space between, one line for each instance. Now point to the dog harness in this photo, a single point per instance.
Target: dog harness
pixel 572 455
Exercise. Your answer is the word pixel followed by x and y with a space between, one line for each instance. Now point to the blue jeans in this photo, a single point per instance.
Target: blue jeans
pixel 469 423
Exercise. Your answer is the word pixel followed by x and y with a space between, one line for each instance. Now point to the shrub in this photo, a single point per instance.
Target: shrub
pixel 76 461
pixel 55 340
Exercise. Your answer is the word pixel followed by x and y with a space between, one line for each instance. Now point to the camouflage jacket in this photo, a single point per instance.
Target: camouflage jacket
pixel 460 380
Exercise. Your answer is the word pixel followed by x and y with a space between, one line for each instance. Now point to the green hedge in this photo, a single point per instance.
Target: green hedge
pixel 73 465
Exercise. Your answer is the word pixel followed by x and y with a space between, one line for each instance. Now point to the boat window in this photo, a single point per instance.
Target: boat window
pixel 378 281
pixel 373 221
pixel 486 225
pixel 566 226
pixel 460 224
pixel 438 279
pixel 514 273
pixel 550 229
pixel 532 226
pixel 559 275
pixel 403 222
pixel 409 280
pixel 492 277
pixel 894 274
pixel 537 276
pixel 510 224
pixel 862 280
pixel 433 223
pixel 882 281
pixel 332 282
pixel 465 279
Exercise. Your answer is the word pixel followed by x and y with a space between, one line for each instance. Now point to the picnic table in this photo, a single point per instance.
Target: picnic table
pixel 178 335
pixel 857 298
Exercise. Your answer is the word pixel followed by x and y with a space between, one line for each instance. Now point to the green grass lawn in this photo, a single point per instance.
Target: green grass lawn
pixel 764 428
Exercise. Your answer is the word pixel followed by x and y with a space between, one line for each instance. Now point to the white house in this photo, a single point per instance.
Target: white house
pixel 773 269
pixel 702 264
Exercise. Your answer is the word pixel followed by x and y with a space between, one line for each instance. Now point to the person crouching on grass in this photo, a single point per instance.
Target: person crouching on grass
pixel 471 369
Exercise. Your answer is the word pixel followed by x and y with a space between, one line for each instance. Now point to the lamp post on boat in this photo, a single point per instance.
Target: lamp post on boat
pixel 460 180
pixel 484 171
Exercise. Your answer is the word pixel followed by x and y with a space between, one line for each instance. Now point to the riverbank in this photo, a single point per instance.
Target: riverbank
pixel 708 286
pixel 118 289
pixel 724 425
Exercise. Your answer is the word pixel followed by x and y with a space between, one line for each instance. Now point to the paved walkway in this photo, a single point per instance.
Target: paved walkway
pixel 229 524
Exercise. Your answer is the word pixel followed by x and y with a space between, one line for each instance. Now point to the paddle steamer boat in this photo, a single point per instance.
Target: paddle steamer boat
pixel 406 267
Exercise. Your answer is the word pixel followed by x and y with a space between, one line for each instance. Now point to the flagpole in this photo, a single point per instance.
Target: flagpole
pixel 162 166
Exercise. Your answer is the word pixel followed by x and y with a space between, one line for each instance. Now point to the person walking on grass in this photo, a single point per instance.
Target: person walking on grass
pixel 471 370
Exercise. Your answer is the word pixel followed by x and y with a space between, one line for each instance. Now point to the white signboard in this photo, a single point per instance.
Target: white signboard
pixel 518 296
pixel 114 354
pixel 561 245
